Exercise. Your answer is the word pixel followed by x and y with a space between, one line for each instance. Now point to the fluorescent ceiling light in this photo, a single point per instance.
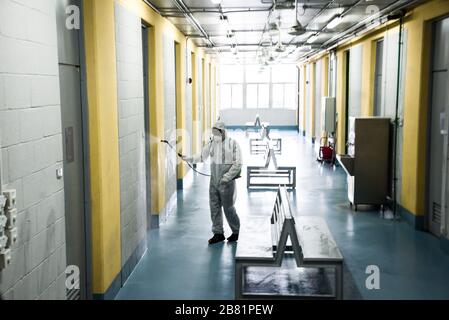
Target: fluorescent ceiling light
pixel 216 1
pixel 312 39
pixel 334 22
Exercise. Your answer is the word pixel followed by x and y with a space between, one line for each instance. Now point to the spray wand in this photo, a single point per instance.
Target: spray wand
pixel 182 157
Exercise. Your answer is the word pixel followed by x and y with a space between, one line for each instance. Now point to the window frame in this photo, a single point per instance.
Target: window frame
pixel 270 84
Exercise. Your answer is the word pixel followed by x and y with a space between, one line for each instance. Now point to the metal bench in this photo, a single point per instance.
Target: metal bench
pixel 255 126
pixel 259 143
pixel 264 244
pixel 264 176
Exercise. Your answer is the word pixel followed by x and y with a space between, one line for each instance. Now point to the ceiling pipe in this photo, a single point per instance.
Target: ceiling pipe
pixel 345 12
pixel 227 11
pixel 189 16
pixel 359 29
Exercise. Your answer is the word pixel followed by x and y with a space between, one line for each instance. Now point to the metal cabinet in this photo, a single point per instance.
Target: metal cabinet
pixel 367 161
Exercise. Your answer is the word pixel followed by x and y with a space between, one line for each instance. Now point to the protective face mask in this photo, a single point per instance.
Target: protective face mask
pixel 217 139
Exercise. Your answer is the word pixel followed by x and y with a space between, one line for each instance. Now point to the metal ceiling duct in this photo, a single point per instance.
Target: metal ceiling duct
pixel 361 27
pixel 189 16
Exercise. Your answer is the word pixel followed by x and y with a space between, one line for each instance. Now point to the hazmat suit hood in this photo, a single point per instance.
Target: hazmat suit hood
pixel 220 125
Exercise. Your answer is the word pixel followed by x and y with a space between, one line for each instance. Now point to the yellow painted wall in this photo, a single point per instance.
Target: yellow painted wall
pixel 99 28
pixel 99 32
pixel 416 104
pixel 417 25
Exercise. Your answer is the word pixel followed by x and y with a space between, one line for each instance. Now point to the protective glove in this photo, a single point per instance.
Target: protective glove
pixel 224 181
pixel 187 159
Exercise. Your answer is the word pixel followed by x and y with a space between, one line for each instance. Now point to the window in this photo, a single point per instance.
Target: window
pixel 251 96
pixel 225 93
pixel 264 96
pixel 237 96
pixel 290 95
pixel 278 96
pixel 253 87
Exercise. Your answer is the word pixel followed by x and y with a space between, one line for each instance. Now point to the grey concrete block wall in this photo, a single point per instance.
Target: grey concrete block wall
pixel 131 130
pixel 389 87
pixel 31 148
pixel 355 81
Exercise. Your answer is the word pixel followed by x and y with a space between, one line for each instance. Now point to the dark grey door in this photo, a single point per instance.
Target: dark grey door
pixel 146 81
pixel 439 108
pixel 72 130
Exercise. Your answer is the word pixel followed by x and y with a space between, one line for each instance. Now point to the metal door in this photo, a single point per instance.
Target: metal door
pixel 72 129
pixel 146 88
pixel 438 119
pixel 73 168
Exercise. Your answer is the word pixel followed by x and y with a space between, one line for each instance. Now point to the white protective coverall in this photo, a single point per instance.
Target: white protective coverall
pixel 225 166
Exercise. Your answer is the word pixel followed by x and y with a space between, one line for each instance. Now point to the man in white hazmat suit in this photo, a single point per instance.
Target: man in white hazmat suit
pixel 225 164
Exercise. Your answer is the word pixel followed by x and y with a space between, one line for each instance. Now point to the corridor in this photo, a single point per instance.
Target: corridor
pixel 328 119
pixel 180 265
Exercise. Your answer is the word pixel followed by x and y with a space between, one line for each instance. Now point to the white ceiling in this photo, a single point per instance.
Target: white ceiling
pixel 249 18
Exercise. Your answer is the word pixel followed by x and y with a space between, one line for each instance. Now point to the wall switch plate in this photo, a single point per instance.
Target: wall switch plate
pixel 59 173
pixel 10 196
pixel 5 258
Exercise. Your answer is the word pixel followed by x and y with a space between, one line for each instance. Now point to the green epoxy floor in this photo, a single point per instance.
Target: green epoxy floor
pixel 180 265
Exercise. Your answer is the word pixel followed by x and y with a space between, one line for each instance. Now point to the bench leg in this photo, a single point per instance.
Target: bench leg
pixel 238 281
pixel 339 282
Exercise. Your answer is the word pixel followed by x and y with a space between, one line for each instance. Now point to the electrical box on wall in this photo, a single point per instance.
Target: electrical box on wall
pixel 11 216
pixel 3 242
pixel 328 110
pixel 5 258
pixel 8 230
pixel 2 203
pixel 10 196
pixel 3 222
